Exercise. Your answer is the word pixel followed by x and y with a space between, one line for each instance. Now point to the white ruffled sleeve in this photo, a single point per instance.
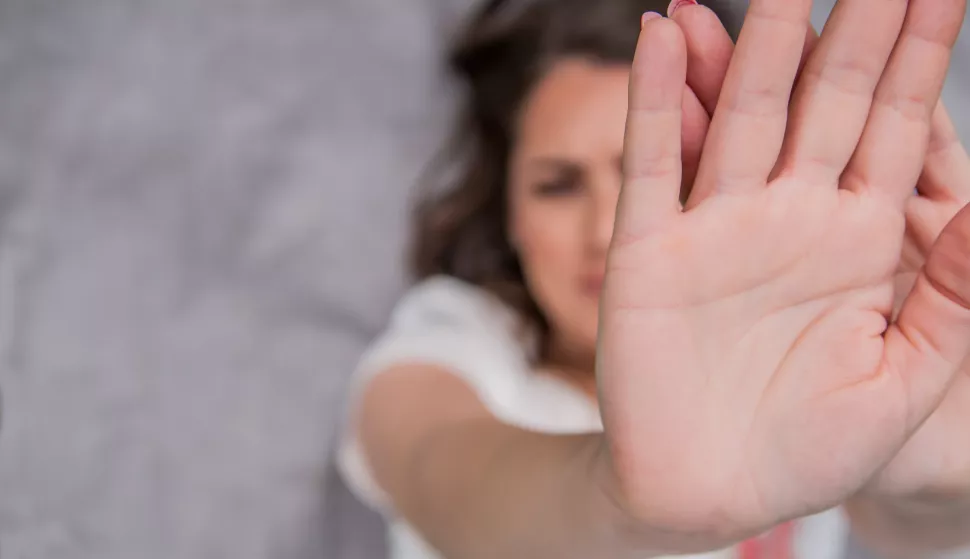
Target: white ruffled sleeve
pixel 446 323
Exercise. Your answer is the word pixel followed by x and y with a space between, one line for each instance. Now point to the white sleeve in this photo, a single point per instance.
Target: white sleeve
pixel 447 323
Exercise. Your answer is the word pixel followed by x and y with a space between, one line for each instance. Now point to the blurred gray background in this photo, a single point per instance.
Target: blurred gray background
pixel 203 210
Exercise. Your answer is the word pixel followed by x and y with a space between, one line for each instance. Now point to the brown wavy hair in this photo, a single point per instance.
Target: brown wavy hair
pixel 508 46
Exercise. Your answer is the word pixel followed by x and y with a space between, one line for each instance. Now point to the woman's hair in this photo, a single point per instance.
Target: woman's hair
pixel 461 219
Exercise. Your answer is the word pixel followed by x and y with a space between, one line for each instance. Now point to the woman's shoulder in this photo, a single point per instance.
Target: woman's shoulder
pixel 449 323
pixel 448 303
pixel 443 293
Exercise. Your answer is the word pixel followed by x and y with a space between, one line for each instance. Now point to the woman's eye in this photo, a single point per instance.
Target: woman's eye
pixel 562 187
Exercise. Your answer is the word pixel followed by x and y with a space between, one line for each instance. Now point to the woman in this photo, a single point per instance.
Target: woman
pixel 739 354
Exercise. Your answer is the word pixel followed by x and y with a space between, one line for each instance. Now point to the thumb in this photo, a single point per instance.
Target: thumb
pixel 931 337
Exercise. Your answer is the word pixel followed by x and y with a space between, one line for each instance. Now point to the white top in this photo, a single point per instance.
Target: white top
pixel 465 330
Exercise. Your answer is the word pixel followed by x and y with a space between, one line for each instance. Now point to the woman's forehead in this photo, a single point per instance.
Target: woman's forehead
pixel 576 106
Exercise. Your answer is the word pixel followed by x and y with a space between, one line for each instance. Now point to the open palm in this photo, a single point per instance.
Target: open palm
pixel 748 368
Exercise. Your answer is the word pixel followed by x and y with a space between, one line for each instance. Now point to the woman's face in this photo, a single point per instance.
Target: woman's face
pixel 564 179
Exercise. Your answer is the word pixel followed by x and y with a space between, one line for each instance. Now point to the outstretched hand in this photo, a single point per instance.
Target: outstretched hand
pixel 935 463
pixel 750 367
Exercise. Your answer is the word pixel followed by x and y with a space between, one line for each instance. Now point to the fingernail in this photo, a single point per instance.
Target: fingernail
pixel 675 4
pixel 648 16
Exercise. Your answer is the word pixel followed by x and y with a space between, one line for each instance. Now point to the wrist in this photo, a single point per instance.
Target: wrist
pixel 639 532
pixel 631 536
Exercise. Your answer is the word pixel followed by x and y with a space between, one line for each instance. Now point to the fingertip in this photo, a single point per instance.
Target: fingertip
pixel 660 36
pixel 675 6
pixel 660 61
pixel 659 72
pixel 702 25
pixel 647 17
pixel 709 50
pixel 696 15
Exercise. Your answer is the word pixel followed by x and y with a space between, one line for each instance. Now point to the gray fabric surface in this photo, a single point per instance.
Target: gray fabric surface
pixel 202 216
pixel 203 208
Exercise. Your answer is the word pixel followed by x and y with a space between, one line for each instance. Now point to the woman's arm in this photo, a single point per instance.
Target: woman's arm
pixel 913 530
pixel 475 487
pixel 735 333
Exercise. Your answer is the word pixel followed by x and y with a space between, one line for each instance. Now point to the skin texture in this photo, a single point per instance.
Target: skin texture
pixel 750 366
pixel 920 502
pixel 789 244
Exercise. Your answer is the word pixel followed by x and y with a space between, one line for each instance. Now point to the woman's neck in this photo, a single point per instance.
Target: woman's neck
pixel 574 364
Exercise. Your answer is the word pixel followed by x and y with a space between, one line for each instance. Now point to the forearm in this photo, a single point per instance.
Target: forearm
pixel 910 530
pixel 474 487
pixel 482 489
